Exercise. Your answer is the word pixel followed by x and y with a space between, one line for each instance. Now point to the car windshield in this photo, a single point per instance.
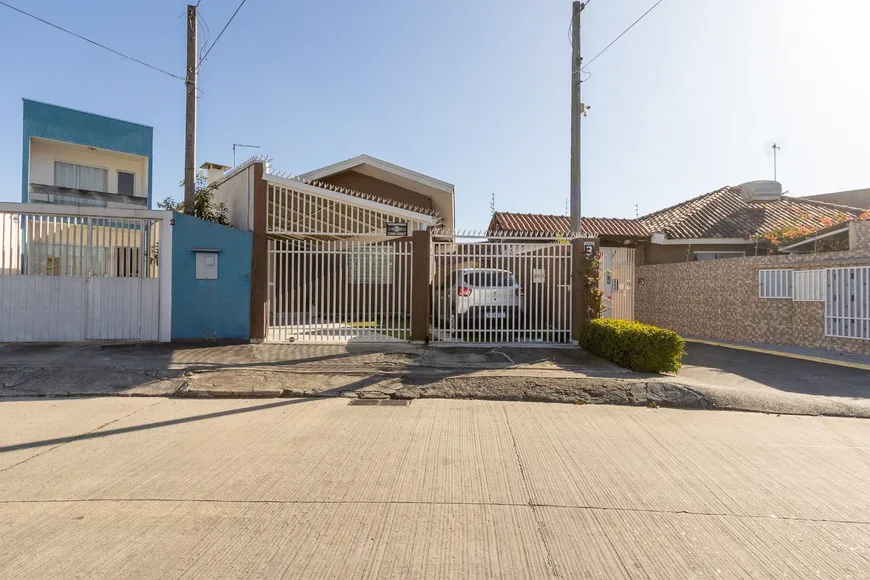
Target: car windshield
pixel 489 278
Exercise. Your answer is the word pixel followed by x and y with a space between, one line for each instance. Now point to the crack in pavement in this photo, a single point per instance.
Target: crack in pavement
pixel 539 521
pixel 440 503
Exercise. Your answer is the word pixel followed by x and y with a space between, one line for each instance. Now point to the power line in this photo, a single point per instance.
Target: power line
pixel 95 43
pixel 207 31
pixel 621 35
pixel 201 60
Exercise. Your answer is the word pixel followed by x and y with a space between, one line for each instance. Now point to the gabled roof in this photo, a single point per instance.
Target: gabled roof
pixel 725 213
pixel 553 224
pixel 329 186
pixel 382 165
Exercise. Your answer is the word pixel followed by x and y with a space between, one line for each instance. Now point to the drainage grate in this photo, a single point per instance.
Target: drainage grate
pixel 380 402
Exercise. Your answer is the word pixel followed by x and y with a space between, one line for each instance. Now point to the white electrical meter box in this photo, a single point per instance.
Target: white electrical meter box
pixel 206 265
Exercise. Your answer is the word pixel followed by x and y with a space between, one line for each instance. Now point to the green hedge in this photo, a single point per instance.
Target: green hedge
pixel 639 347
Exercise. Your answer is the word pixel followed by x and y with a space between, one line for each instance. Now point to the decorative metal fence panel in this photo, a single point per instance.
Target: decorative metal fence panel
pixel 775 283
pixel 809 285
pixel 296 208
pixel 494 290
pixel 617 281
pixel 847 304
pixel 75 277
pixel 339 291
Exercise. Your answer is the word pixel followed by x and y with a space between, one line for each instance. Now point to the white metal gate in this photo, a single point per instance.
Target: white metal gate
pixel 494 290
pixel 847 302
pixel 75 277
pixel 334 274
pixel 617 281
pixel 336 291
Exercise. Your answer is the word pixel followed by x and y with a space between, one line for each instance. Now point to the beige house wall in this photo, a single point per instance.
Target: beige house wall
pixel 237 193
pixel 44 152
pixel 718 299
pixel 650 253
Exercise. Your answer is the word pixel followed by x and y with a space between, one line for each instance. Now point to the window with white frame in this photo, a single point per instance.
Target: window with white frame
pixel 775 283
pixel 809 286
pixel 126 180
pixel 81 177
pixel 704 256
pixel 371 265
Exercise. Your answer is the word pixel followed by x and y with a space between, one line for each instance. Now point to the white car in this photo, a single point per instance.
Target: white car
pixel 483 297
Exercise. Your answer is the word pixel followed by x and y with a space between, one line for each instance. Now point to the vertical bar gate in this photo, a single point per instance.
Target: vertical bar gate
pixel 498 290
pixel 338 291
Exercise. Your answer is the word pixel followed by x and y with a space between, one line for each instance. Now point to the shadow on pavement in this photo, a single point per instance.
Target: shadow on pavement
pixel 146 426
pixel 719 365
pixel 164 369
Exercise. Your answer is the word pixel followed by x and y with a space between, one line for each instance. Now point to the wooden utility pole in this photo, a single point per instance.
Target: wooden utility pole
pixel 576 113
pixel 190 115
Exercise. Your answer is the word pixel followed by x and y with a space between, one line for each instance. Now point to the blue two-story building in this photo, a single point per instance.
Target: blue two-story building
pixel 77 158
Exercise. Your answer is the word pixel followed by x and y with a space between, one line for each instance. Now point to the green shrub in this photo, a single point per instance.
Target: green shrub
pixel 639 347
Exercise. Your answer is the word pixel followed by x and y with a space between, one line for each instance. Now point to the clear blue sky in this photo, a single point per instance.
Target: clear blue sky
pixel 474 93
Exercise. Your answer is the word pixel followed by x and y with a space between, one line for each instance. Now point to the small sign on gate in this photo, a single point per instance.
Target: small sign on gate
pixel 589 249
pixel 539 276
pixel 397 229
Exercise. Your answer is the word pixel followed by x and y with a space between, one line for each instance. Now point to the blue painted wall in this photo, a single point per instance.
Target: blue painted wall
pixel 210 309
pixel 71 126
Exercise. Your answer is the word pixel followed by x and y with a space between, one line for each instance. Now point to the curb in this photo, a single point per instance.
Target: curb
pixel 585 390
pixel 793 355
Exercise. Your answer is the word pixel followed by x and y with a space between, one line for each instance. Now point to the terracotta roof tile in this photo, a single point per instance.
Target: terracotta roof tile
pixel 724 213
pixel 552 224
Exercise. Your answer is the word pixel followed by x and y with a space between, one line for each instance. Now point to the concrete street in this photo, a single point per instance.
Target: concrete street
pixel 439 489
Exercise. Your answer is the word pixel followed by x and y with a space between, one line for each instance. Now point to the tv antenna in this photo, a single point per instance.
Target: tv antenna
pixel 492 203
pixel 775 148
pixel 241 145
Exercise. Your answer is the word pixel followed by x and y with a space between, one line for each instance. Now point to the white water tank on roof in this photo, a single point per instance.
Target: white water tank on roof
pixel 761 190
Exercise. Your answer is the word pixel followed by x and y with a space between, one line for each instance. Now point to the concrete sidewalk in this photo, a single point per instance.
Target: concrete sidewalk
pixel 714 377
pixel 567 375
pixel 845 359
